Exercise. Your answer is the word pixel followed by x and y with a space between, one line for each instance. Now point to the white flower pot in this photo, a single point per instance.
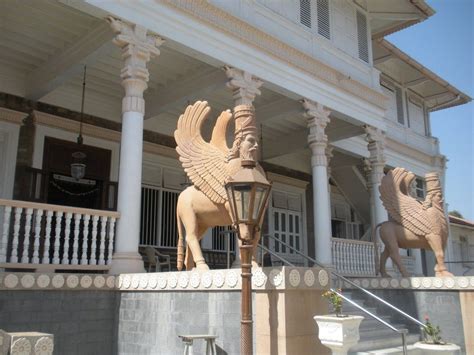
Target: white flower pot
pixel 338 333
pixel 446 349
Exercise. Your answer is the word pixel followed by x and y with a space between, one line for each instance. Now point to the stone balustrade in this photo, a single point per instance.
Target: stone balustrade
pixel 43 236
pixel 353 257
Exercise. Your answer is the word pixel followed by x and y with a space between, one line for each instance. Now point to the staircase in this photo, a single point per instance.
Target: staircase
pixel 375 338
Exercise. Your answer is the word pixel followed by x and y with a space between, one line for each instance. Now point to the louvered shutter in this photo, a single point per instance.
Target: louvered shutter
pixel 323 18
pixel 362 37
pixel 305 13
pixel 400 117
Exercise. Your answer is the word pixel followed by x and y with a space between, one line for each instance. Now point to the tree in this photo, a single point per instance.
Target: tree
pixel 455 213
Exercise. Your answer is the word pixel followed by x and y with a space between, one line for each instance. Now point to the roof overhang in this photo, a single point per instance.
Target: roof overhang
pixel 388 16
pixel 436 92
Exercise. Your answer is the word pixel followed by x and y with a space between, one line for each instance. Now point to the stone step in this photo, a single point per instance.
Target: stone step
pixel 397 350
pixel 382 340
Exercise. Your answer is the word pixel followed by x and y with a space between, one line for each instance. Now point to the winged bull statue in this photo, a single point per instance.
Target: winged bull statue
pixel 412 224
pixel 209 166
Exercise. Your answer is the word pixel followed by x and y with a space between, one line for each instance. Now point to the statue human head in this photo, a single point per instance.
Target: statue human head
pixel 245 142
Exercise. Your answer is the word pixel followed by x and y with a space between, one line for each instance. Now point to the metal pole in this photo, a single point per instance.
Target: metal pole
pixel 246 326
pixel 227 243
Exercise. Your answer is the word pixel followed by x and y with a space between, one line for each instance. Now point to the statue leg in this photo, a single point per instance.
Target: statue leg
pixel 382 261
pixel 189 260
pixel 437 246
pixel 192 242
pixel 395 256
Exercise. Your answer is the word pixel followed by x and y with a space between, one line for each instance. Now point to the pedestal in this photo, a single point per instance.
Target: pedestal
pixel 338 333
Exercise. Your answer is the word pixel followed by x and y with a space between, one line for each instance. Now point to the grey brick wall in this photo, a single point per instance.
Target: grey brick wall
pixel 149 323
pixel 83 322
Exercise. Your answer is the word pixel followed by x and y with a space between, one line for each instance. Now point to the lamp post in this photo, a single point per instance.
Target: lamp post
pixel 248 192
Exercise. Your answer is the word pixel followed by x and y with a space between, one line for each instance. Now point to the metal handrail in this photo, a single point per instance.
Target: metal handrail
pixel 314 261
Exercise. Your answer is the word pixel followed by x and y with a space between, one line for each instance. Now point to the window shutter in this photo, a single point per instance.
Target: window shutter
pixel 323 18
pixel 398 93
pixel 305 13
pixel 362 37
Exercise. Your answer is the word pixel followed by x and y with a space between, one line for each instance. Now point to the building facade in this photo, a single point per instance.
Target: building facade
pixel 337 106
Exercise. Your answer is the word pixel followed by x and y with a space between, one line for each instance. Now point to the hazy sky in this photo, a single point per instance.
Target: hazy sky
pixel 444 44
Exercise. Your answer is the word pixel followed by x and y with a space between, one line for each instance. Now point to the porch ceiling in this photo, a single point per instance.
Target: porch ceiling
pixel 45 44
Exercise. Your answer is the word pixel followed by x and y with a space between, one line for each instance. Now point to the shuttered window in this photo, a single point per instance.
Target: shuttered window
pixel 362 37
pixel 399 97
pixel 323 18
pixel 305 13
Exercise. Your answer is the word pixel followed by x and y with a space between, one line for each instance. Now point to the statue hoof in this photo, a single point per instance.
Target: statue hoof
pixel 202 267
pixel 443 273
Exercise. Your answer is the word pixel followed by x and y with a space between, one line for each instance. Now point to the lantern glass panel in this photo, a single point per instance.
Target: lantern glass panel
pixel 242 193
pixel 260 192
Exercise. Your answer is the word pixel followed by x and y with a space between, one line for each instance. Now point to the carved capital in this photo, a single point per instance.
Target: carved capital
pixel 376 145
pixel 137 48
pixel 329 156
pixel 244 86
pixel 318 119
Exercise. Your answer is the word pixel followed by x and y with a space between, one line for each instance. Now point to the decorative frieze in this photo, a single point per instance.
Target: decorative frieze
pixel 416 283
pixel 26 343
pixel 12 116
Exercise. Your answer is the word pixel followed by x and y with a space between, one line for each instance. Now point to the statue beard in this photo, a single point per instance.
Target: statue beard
pixel 248 154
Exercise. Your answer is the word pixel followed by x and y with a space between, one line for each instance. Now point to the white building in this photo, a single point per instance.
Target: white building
pixel 168 53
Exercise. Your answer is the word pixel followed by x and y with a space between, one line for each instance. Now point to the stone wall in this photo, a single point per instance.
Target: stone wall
pixel 83 322
pixel 150 322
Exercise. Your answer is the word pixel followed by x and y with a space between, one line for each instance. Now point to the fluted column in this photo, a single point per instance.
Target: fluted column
pixel 137 48
pixel 318 118
pixel 245 87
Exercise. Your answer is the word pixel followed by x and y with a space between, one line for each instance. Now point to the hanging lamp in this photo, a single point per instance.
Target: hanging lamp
pixel 78 166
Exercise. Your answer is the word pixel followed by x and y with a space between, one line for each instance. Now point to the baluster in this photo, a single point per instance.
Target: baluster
pixel 57 236
pixel 103 230
pixel 16 232
pixel 111 240
pixel 354 259
pixel 67 239
pixel 85 234
pixel 372 270
pixel 26 239
pixel 345 262
pixel 47 238
pixel 5 232
pixel 359 258
pixel 75 245
pixel 93 260
pixel 365 259
pixel 36 243
pixel 337 247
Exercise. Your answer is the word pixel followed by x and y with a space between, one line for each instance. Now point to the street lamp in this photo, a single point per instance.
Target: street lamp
pixel 247 191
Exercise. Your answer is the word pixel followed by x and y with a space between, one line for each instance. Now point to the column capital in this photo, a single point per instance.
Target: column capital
pixel 376 144
pixel 137 48
pixel 244 86
pixel 318 119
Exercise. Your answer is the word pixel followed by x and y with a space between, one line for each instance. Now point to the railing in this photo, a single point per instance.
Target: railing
pixel 36 235
pixel 353 257
pixel 402 332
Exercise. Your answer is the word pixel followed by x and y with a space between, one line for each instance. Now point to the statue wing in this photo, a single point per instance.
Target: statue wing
pixel 204 163
pixel 403 208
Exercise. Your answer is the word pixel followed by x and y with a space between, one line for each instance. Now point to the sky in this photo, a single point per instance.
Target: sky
pixel 444 44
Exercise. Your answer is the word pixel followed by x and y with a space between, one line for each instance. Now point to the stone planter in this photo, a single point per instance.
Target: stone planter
pixel 338 333
pixel 446 349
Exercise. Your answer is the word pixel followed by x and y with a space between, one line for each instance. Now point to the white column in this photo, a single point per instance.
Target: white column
pixel 245 87
pixel 318 118
pixel 375 168
pixel 137 48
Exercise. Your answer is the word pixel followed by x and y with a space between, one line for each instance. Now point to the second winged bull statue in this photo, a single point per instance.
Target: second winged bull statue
pixel 412 224
pixel 209 166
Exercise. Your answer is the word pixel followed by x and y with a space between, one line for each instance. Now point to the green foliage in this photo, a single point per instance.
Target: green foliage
pixel 456 213
pixel 432 333
pixel 335 300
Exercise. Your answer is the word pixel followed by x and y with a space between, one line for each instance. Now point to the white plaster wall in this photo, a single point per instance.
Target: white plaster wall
pixel 458 248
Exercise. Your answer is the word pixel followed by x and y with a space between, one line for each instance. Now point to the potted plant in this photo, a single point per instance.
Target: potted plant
pixel 337 331
pixel 432 342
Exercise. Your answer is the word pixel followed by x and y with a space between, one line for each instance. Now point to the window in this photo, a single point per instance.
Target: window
pixel 286 222
pixel 321 7
pixel 362 37
pixel 221 235
pixel 420 188
pixel 344 222
pixel 399 97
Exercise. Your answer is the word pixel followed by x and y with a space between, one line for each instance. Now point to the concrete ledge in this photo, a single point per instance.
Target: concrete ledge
pixel 417 283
